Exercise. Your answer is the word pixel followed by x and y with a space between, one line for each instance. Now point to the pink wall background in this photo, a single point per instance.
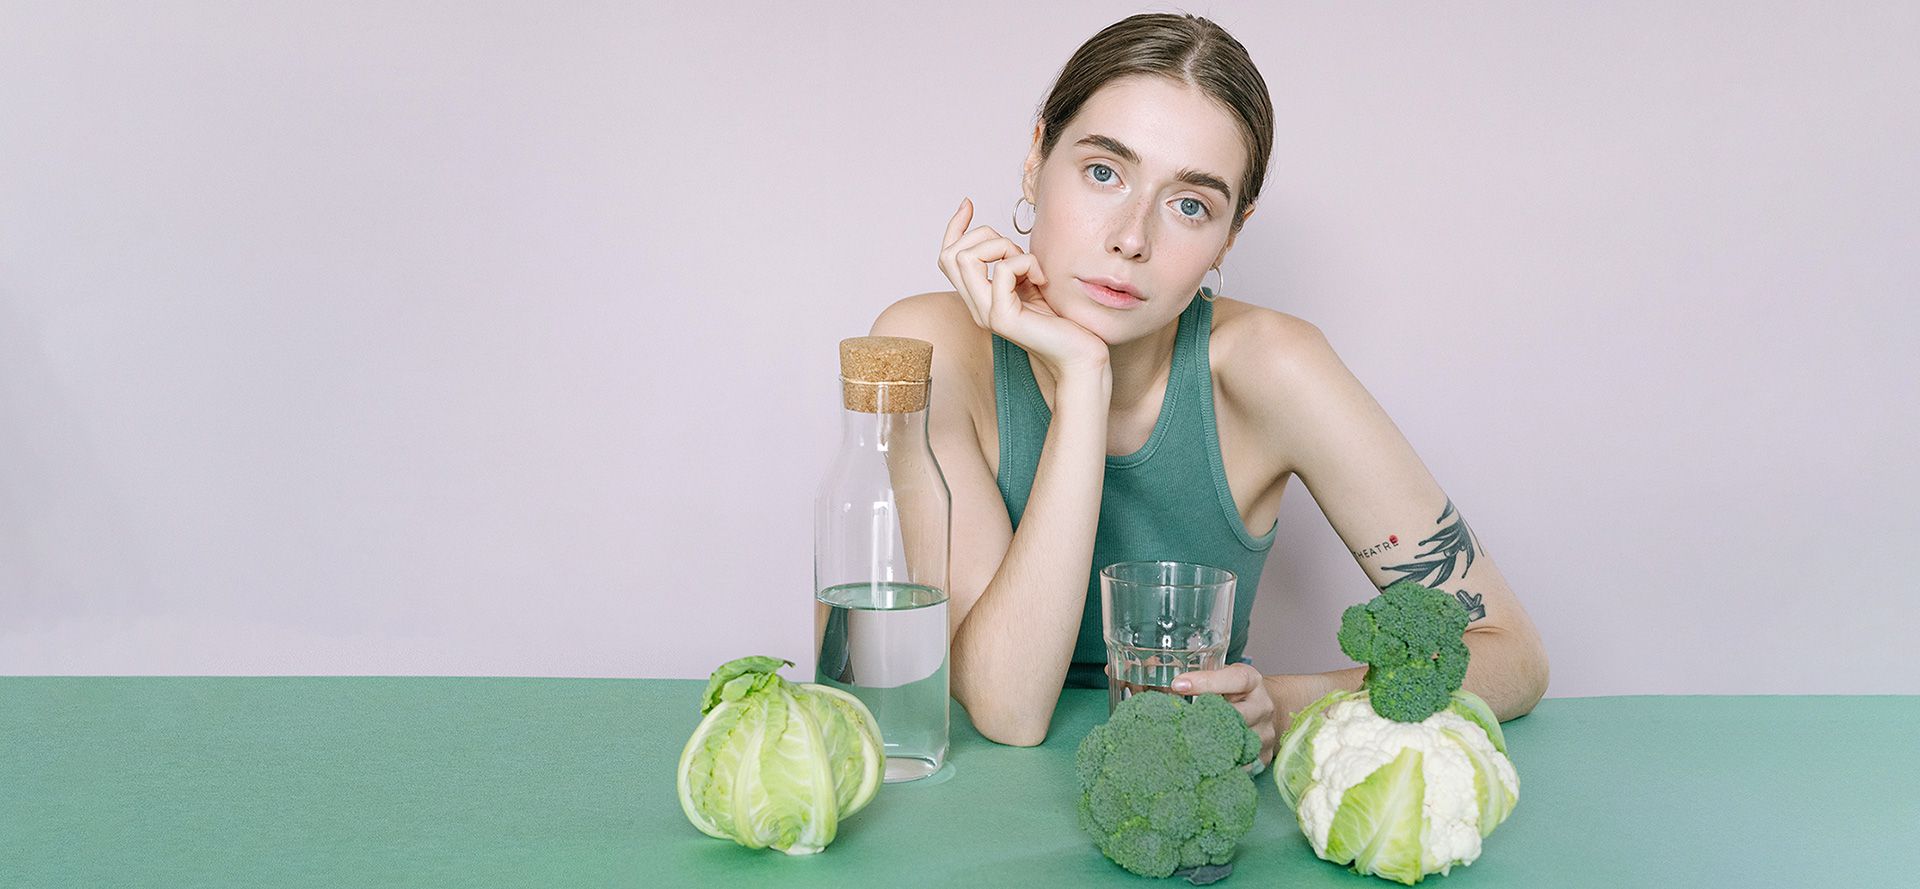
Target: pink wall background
pixel 499 339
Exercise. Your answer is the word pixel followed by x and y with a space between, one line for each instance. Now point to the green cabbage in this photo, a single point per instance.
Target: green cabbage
pixel 1397 800
pixel 775 763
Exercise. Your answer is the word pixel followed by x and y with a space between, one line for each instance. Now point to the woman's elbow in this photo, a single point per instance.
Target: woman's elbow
pixel 1541 674
pixel 1019 737
pixel 1535 685
pixel 1010 729
pixel 1519 671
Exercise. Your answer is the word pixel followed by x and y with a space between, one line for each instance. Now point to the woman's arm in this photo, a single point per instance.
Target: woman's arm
pixel 1507 672
pixel 1015 599
pixel 1392 514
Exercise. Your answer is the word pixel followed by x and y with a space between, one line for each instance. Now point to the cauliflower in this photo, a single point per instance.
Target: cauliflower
pixel 1397 797
pixel 1419 796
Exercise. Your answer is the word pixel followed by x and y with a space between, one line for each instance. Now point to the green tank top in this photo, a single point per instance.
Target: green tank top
pixel 1167 500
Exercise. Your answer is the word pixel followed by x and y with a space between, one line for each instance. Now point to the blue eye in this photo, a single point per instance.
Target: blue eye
pixel 1191 209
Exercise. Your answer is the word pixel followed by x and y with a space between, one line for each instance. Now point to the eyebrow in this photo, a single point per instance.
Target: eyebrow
pixel 1188 175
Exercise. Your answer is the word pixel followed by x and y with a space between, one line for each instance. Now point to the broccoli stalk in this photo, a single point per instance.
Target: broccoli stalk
pixel 1162 786
pixel 1409 638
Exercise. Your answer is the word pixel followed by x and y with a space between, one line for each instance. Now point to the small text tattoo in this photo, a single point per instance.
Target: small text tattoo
pixel 1452 546
pixel 1475 610
pixel 1392 541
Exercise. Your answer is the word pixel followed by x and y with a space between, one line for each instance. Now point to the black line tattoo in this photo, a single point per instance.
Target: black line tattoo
pixel 1452 545
pixel 1475 610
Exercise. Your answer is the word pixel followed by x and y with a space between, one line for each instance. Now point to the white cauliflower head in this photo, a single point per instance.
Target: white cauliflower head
pixel 1398 800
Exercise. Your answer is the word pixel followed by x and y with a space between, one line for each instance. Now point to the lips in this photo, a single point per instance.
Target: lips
pixel 1114 284
pixel 1110 297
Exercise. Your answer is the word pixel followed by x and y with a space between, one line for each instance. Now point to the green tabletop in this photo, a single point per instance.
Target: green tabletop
pixel 336 782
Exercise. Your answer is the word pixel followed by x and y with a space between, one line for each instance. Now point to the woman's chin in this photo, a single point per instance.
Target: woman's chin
pixel 1067 306
pixel 1095 319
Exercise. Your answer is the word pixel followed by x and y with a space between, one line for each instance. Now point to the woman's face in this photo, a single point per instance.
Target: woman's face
pixel 1139 189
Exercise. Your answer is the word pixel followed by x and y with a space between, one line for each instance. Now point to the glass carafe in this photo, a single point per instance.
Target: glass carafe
pixel 880 555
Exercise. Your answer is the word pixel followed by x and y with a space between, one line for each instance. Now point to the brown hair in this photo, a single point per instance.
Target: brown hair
pixel 1183 48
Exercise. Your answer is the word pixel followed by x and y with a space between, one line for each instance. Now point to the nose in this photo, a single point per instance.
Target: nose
pixel 1129 238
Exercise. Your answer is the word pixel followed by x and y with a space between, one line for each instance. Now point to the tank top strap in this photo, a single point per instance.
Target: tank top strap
pixel 1208 427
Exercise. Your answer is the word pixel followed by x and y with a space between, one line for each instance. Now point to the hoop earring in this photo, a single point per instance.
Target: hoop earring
pixel 1016 215
pixel 1214 294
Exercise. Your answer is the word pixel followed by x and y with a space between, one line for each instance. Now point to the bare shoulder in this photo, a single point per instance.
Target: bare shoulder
pixel 940 318
pixel 1279 384
pixel 1265 357
pixel 962 356
pixel 939 314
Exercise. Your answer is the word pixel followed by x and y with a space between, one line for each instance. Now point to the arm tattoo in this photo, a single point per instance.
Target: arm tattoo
pixel 1475 610
pixel 1451 545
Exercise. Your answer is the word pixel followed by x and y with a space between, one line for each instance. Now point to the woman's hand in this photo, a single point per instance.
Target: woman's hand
pixel 1011 303
pixel 1246 690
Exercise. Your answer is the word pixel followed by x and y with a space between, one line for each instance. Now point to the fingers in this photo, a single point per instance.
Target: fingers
pixel 983 245
pixel 965 255
pixel 1238 679
pixel 1006 298
pixel 971 263
pixel 957 224
pixel 1028 267
pixel 954 241
pixel 950 246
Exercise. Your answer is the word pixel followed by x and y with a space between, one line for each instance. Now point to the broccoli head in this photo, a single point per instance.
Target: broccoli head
pixel 1161 784
pixel 1409 638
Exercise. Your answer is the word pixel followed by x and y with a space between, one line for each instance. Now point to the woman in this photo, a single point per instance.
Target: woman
pixel 1094 404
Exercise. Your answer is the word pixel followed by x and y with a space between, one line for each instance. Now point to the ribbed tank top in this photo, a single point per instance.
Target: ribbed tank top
pixel 1167 500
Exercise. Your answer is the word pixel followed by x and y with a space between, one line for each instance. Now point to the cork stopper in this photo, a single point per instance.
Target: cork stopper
pixel 885 374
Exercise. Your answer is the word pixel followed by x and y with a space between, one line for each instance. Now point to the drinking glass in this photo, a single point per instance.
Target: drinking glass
pixel 1161 619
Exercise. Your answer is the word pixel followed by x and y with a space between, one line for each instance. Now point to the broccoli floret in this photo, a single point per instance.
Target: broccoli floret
pixel 1409 638
pixel 1161 783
